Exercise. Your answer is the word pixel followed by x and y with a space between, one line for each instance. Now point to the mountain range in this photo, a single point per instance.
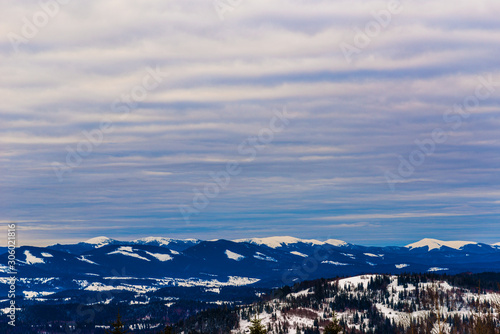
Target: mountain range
pixel 153 265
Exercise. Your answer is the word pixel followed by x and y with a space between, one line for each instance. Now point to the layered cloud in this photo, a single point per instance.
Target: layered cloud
pixel 335 164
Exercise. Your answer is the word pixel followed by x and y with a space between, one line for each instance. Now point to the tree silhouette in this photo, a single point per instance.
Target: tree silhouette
pixel 257 327
pixel 168 330
pixel 334 326
pixel 117 326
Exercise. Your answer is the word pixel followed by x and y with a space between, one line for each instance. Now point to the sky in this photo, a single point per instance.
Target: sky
pixel 373 122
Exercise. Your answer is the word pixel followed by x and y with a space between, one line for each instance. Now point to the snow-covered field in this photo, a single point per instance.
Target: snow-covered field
pixel 38 288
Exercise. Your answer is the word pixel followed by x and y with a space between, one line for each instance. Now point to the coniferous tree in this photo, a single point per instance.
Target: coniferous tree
pixel 334 326
pixel 257 327
pixel 118 326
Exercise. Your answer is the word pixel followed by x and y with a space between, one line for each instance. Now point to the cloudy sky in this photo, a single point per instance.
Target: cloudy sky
pixel 374 122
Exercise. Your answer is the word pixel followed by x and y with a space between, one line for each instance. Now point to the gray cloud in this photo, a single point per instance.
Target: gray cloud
pixel 225 79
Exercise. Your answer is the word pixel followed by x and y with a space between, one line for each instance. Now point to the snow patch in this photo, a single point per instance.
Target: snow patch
pixel 401 266
pixel 264 257
pixel 160 257
pixel 301 293
pixel 355 281
pixel 97 286
pixel 82 258
pixel 127 251
pixel 374 255
pixel 160 241
pixel 335 242
pixel 233 256
pixel 31 259
pixel 34 294
pixel 238 281
pixel 232 281
pixel 298 254
pixel 157 240
pixel 99 241
pixel 47 255
pixel 335 263
pixel 437 269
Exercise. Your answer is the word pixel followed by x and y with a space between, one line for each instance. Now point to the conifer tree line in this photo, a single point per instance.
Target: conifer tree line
pixel 407 303
pixel 352 310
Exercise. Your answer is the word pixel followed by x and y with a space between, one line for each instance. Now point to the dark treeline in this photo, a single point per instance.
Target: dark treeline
pixel 326 297
pixel 355 306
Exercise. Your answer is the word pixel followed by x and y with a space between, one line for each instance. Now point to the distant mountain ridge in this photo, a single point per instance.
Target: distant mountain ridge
pixel 437 244
pixel 195 268
pixel 272 242
pixel 98 242
pixel 281 242
pixel 275 242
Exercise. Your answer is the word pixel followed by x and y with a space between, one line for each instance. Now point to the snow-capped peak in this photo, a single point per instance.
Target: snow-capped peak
pixel 437 244
pixel 155 240
pixel 497 244
pixel 99 241
pixel 336 242
pixel 275 242
pixel 161 241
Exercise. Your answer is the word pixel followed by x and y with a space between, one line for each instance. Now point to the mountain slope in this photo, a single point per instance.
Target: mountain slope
pixel 277 242
pixel 364 304
pixel 204 268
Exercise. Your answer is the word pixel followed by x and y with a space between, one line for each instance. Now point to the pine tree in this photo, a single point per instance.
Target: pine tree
pixel 168 330
pixel 257 327
pixel 117 326
pixel 334 326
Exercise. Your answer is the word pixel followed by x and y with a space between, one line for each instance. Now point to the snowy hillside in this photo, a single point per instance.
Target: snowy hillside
pixel 358 301
pixel 437 244
pixel 100 241
pixel 276 242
